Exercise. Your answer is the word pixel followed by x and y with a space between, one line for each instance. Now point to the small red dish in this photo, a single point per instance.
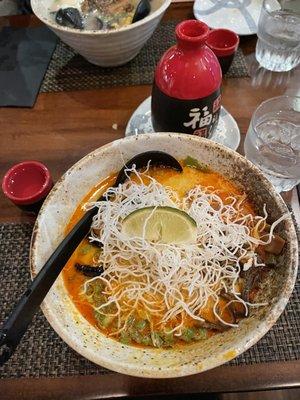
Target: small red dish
pixel 27 184
pixel 224 43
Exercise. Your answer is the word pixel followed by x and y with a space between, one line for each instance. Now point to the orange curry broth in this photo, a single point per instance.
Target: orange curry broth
pixel 74 280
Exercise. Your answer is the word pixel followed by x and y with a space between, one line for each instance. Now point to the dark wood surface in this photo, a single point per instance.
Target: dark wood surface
pixel 229 379
pixel 278 394
pixel 61 129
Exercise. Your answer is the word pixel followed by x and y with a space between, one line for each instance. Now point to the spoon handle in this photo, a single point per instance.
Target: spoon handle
pixel 17 323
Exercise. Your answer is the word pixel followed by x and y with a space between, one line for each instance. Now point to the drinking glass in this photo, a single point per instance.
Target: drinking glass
pixel 273 141
pixel 278 45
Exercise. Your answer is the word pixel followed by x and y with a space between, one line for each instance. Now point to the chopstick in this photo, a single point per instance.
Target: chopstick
pixel 17 323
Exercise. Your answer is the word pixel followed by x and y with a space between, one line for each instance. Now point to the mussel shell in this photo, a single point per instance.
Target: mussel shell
pixel 100 24
pixel 69 17
pixel 157 158
pixel 89 270
pixel 142 10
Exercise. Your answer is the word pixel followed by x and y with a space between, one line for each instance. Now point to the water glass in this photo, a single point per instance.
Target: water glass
pixel 278 44
pixel 273 141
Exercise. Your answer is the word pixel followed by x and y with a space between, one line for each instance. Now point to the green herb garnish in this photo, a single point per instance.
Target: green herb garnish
pixel 141 324
pixel 193 163
pixel 188 334
pixel 125 338
pixel 200 334
pixel 85 249
pixel 157 340
pixel 103 320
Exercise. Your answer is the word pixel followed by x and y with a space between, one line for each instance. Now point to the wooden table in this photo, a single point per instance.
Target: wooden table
pixel 62 128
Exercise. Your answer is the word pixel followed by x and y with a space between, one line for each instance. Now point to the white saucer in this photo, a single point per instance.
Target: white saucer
pixel 240 16
pixel 227 132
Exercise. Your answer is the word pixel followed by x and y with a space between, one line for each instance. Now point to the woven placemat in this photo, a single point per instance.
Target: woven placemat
pixel 43 353
pixel 69 71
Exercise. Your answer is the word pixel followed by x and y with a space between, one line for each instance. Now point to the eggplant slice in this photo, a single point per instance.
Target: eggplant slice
pixel 219 327
pixel 157 158
pixel 237 309
pixel 251 278
pixel 89 270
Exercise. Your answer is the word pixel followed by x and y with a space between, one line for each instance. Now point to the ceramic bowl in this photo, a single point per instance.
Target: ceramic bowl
pixel 146 362
pixel 104 48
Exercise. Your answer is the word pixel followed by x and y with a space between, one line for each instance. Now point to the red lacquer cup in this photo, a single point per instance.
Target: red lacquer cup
pixel 224 43
pixel 27 184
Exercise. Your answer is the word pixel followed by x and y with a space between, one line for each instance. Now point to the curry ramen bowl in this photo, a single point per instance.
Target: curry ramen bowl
pixel 103 47
pixel 190 260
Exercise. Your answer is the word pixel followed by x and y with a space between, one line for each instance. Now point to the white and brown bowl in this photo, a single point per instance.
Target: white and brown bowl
pixel 146 362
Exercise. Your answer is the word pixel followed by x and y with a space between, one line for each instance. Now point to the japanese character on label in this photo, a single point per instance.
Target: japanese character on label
pixel 206 119
pixel 198 120
pixel 195 115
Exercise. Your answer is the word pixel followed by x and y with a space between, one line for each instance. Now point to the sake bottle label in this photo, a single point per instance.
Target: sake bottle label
pixel 197 117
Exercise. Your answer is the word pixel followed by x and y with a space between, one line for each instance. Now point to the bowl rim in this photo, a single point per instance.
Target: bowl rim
pixel 243 344
pixel 53 25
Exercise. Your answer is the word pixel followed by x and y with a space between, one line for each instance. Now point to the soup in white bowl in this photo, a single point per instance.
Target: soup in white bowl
pixel 101 14
pixel 103 47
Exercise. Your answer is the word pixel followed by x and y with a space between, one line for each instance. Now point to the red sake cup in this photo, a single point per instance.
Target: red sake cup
pixel 224 43
pixel 27 184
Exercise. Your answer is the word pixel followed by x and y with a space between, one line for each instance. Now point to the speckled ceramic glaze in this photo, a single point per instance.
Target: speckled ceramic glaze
pixel 159 363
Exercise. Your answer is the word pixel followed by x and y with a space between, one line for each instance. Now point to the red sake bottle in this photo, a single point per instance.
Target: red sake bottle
pixel 186 90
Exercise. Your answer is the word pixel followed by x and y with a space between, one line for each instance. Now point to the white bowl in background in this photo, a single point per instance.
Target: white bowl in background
pixel 103 48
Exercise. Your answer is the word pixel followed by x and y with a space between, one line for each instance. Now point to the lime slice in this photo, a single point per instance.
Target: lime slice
pixel 162 224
